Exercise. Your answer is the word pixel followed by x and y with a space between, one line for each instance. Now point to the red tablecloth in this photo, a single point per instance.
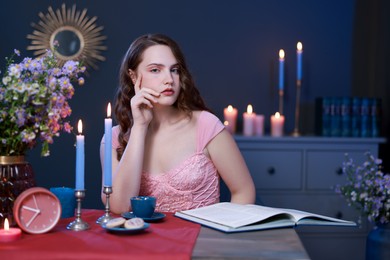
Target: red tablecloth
pixel 170 238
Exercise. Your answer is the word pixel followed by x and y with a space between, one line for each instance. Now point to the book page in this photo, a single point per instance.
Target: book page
pixel 232 215
pixel 305 216
pixel 299 215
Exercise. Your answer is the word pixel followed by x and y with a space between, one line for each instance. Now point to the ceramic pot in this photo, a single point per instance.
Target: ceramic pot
pixel 378 243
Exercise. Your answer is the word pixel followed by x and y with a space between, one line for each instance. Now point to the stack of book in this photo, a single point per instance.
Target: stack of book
pixel 348 116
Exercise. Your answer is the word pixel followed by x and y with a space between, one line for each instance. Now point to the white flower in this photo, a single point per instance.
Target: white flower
pixel 21 88
pixel 363 195
pixel 6 80
pixel 14 70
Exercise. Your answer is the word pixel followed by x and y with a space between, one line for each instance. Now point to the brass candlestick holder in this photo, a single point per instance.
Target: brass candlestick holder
pixel 281 94
pixel 78 224
pixel 297 105
pixel 107 216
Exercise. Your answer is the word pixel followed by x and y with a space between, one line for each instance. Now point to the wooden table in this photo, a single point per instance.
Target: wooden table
pixel 266 244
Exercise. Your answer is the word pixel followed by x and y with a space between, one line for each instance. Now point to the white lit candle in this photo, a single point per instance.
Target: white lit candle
pixel 108 148
pixel 277 124
pixel 80 157
pixel 230 114
pixel 259 125
pixel 281 69
pixel 299 60
pixel 249 119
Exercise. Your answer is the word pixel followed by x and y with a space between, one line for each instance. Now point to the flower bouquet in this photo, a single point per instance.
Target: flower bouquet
pixel 367 188
pixel 34 104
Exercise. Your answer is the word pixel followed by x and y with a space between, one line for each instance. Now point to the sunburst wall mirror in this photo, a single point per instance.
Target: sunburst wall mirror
pixel 71 34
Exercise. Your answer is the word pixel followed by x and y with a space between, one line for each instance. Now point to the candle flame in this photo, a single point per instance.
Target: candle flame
pixel 299 46
pixel 249 109
pixel 6 224
pixel 109 110
pixel 80 126
pixel 281 54
pixel 230 108
pixel 277 114
pixel 226 123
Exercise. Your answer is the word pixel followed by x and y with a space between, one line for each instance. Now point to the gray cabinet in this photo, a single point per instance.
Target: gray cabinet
pixel 300 173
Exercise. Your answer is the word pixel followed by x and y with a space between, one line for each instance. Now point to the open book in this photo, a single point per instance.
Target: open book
pixel 230 217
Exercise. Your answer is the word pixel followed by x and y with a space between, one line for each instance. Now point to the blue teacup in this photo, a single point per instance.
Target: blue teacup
pixel 143 206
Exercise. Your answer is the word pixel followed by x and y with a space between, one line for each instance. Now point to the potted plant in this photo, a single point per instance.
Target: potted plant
pixel 34 106
pixel 368 189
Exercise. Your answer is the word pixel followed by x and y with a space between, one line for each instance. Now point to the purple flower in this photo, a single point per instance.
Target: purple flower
pixel 20 117
pixel 55 72
pixel 36 65
pixel 70 67
pixel 81 81
pixel 64 82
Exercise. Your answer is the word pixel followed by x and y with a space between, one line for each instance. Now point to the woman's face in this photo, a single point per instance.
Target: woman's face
pixel 160 71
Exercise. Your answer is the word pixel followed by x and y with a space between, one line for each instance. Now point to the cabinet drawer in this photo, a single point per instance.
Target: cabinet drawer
pixel 271 169
pixel 324 168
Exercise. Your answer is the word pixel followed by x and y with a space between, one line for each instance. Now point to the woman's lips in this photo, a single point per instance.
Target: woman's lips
pixel 168 92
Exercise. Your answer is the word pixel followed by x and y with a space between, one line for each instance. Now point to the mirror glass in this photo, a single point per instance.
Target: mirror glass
pixel 69 43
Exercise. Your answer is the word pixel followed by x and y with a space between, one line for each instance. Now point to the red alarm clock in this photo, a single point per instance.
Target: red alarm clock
pixel 37 210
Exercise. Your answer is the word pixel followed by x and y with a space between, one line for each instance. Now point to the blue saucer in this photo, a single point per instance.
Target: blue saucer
pixel 156 216
pixel 122 230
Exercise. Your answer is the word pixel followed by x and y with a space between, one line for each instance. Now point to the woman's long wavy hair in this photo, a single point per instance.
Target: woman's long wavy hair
pixel 188 100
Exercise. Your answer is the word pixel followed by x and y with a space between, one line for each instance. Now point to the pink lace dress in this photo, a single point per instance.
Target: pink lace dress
pixel 192 184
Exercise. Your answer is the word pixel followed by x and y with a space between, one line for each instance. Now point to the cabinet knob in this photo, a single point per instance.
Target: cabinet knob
pixel 339 171
pixel 271 170
pixel 339 215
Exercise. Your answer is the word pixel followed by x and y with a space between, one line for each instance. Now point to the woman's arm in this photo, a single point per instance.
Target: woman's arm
pixel 232 168
pixel 126 173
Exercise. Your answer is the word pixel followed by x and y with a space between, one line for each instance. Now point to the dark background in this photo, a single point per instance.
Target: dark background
pixel 232 50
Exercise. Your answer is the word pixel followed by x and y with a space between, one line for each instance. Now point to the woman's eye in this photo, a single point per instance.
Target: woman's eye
pixel 175 70
pixel 154 70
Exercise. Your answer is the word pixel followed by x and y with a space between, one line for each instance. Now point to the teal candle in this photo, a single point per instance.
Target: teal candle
pixel 281 69
pixel 299 60
pixel 108 148
pixel 80 157
pixel 67 199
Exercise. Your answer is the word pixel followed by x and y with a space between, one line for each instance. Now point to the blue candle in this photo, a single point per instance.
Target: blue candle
pixel 67 199
pixel 281 69
pixel 299 60
pixel 80 157
pixel 108 148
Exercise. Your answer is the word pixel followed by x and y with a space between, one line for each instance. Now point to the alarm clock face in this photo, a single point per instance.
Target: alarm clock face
pixel 37 210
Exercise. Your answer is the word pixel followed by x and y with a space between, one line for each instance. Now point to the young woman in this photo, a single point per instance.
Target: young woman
pixel 167 143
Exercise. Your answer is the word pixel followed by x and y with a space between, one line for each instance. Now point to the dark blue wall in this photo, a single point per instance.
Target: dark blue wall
pixel 231 47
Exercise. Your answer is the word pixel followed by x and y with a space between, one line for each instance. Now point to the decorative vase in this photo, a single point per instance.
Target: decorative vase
pixel 16 175
pixel 378 243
